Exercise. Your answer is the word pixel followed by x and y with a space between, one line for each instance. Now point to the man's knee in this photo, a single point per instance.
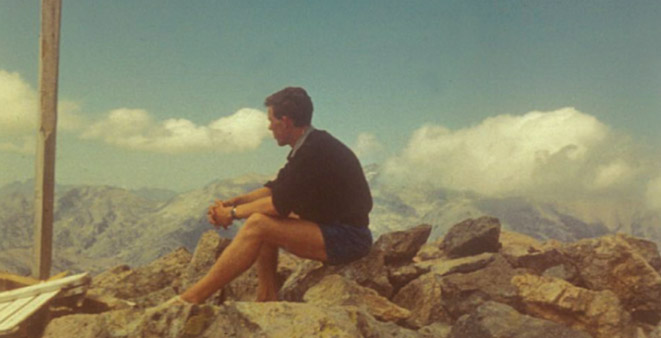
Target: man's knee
pixel 255 225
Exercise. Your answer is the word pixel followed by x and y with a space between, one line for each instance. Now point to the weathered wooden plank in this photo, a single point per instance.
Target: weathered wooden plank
pixel 64 283
pixel 45 160
pixel 22 280
pixel 3 306
pixel 13 307
pixel 26 310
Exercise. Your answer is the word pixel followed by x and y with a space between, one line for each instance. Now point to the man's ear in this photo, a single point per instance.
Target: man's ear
pixel 287 121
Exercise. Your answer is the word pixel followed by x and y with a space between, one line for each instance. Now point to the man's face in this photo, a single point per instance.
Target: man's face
pixel 279 128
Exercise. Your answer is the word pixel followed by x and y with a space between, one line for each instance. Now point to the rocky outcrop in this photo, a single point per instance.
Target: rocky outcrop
pixel 597 312
pixel 467 286
pixel 472 237
pixel 496 320
pixel 335 290
pixel 146 286
pixel 423 297
pixel 401 246
pixel 611 263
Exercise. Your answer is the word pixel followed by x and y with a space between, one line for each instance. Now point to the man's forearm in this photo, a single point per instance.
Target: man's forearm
pixel 263 205
pixel 252 196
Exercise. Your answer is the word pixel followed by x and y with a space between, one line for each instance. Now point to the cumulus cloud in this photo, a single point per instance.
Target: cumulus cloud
pixel 653 194
pixel 137 129
pixel 557 152
pixel 367 146
pixel 19 113
pixel 18 104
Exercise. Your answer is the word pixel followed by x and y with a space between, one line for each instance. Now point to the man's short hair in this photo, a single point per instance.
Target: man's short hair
pixel 293 102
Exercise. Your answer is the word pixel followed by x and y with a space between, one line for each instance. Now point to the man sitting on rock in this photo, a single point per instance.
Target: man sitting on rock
pixel 316 208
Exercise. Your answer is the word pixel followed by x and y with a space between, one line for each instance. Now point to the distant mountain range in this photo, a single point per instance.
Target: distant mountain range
pixel 97 227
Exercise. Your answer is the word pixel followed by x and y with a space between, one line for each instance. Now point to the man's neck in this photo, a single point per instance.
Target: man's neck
pixel 300 139
pixel 296 135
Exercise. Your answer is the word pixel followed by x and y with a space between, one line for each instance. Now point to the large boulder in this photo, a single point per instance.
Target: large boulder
pixel 147 285
pixel 401 246
pixel 160 321
pixel 445 266
pixel 369 271
pixel 496 320
pixel 526 252
pixel 647 249
pixel 423 297
pixel 284 319
pixel 597 312
pixel 335 290
pixel 472 237
pixel 232 319
pixel 464 292
pixel 611 263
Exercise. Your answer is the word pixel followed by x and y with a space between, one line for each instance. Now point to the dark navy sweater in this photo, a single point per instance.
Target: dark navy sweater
pixel 323 183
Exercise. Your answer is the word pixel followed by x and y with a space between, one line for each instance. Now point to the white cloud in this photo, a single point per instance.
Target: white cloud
pixel 558 152
pixel 18 104
pixel 19 113
pixel 367 146
pixel 136 129
pixel 653 194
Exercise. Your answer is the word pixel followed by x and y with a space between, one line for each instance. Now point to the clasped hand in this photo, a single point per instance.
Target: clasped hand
pixel 220 214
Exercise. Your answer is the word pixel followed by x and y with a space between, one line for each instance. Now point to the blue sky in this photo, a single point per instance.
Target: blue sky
pixel 379 73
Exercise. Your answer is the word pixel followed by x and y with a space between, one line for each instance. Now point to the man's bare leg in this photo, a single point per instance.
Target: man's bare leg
pixel 267 266
pixel 300 237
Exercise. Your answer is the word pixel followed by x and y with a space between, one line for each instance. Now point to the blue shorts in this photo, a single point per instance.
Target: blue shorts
pixel 345 243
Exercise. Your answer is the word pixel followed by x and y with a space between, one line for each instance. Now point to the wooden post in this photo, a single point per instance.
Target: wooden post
pixel 45 162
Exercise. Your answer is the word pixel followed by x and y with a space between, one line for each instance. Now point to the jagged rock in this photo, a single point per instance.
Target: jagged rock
pixel 161 321
pixel 369 271
pixel 423 298
pixel 401 246
pixel 126 283
pixel 597 312
pixel 464 292
pixel 459 265
pixel 284 319
pixel 566 272
pixel 648 249
pixel 435 330
pixel 514 243
pixel 472 237
pixel 402 275
pixel 428 251
pixel 335 290
pixel 611 263
pixel 526 252
pixel 496 320
pixel 209 247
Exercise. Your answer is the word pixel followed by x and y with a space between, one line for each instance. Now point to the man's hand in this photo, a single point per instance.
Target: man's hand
pixel 220 215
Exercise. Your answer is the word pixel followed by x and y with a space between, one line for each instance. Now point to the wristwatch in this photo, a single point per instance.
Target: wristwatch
pixel 233 213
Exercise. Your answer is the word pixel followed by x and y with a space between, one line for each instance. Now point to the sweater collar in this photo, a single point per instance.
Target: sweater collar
pixel 300 141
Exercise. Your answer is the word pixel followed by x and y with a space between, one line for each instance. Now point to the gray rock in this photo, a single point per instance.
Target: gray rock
pixel 496 320
pixel 125 283
pixel 369 271
pixel 597 312
pixel 335 290
pixel 464 292
pixel 472 237
pixel 423 297
pixel 401 246
pixel 436 330
pixel 611 263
